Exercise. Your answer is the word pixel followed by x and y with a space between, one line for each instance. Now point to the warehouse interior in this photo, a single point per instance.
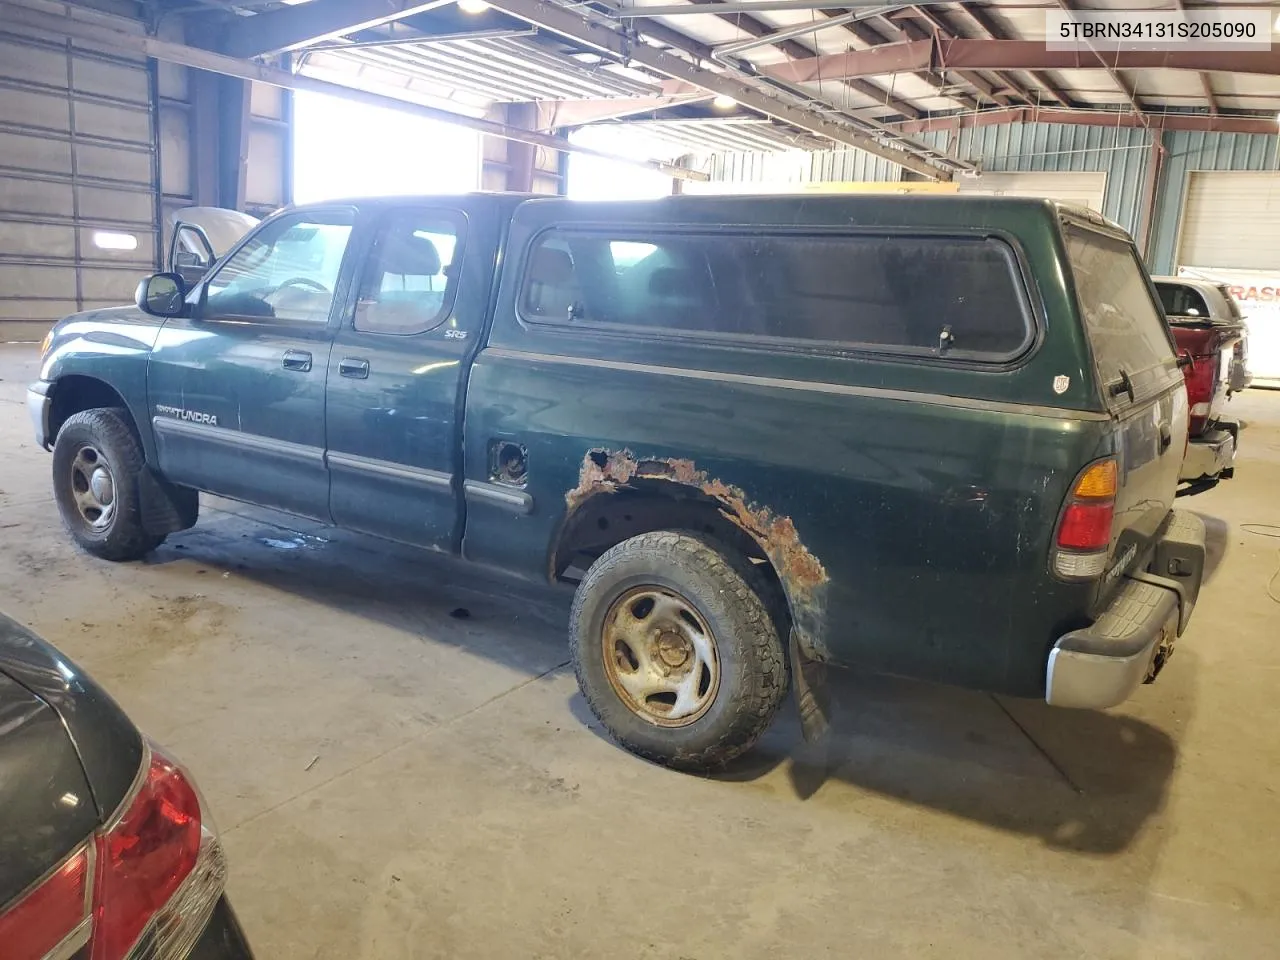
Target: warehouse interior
pixel 394 747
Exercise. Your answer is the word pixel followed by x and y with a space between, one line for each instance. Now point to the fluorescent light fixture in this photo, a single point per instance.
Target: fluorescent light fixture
pixel 722 102
pixel 472 6
pixel 111 240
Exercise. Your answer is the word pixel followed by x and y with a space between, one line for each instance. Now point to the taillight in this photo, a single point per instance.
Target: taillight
pixel 144 886
pixel 1201 380
pixel 144 857
pixel 1083 537
pixel 54 916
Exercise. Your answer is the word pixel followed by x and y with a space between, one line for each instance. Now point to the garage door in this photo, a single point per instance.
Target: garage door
pixel 77 214
pixel 1081 189
pixel 1231 220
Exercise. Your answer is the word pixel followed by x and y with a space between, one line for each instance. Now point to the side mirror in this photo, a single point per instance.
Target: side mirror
pixel 1185 360
pixel 162 295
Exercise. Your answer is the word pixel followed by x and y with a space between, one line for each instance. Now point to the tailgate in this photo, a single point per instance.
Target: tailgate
pixel 1142 386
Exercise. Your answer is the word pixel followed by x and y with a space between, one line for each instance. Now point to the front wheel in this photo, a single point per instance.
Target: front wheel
pixel 97 463
pixel 676 651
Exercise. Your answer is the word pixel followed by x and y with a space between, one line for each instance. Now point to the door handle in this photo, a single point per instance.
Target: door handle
pixel 353 367
pixel 299 360
pixel 1166 435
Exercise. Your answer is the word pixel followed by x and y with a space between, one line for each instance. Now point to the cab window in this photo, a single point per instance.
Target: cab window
pixel 956 297
pixel 1180 301
pixel 288 270
pixel 411 278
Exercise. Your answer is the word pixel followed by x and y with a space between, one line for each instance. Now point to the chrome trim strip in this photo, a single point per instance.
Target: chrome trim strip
pixel 497 495
pixel 882 393
pixel 70 945
pixel 239 440
pixel 434 479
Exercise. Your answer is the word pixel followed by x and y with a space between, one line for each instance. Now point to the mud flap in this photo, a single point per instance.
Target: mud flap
pixel 166 507
pixel 813 695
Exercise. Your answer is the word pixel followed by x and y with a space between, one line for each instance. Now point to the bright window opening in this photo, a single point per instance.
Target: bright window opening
pixel 348 149
pixel 113 240
pixel 594 178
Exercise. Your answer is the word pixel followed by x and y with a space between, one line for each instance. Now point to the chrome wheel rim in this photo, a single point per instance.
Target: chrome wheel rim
pixel 93 487
pixel 660 656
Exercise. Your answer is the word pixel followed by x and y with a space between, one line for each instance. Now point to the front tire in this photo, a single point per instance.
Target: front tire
pixel 97 463
pixel 675 650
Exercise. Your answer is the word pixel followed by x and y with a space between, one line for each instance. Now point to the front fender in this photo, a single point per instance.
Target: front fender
pixel 110 347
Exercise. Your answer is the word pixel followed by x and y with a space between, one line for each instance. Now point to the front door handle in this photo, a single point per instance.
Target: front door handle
pixel 299 360
pixel 1166 435
pixel 353 367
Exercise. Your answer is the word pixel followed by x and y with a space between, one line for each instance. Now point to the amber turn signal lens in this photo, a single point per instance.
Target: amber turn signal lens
pixel 1098 482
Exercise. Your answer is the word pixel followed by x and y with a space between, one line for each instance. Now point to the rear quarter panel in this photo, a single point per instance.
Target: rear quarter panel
pixel 926 491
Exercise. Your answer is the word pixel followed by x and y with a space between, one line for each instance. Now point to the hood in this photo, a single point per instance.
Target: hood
pixel 223 227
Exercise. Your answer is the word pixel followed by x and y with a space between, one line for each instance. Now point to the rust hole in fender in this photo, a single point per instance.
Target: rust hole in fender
pixel 801 573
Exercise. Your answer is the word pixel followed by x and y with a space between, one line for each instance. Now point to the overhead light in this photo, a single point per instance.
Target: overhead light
pixel 472 6
pixel 722 102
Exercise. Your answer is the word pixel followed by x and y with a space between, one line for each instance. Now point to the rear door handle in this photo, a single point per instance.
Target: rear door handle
pixel 353 367
pixel 1166 435
pixel 299 360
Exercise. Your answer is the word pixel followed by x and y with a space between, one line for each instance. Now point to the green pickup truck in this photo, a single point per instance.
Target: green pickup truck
pixel 936 437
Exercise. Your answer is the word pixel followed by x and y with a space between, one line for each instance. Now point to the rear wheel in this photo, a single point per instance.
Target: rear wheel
pixel 675 649
pixel 97 463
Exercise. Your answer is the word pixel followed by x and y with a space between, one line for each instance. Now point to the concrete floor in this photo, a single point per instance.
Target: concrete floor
pixel 396 780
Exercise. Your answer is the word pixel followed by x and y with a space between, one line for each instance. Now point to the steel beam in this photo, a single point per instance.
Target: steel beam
pixel 1013 55
pixel 1209 95
pixel 582 28
pixel 179 53
pixel 753 6
pixel 1126 86
pixel 1197 122
pixel 987 23
pixel 292 28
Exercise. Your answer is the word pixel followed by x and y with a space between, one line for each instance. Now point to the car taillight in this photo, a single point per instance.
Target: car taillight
pixel 1083 537
pixel 144 886
pixel 144 857
pixel 1202 381
pixel 53 919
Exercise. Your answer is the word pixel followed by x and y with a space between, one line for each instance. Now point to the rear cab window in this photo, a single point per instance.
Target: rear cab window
pixel 1131 343
pixel 959 297
pixel 1182 301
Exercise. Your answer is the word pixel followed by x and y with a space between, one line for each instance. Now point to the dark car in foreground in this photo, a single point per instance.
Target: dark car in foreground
pixel 106 849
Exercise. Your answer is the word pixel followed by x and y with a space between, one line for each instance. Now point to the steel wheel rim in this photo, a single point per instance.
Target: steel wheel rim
pixel 93 487
pixel 660 656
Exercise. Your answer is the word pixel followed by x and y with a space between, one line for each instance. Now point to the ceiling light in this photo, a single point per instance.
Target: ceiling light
pixel 723 102
pixel 472 6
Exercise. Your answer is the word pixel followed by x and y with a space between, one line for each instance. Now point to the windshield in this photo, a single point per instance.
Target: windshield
pixel 1126 328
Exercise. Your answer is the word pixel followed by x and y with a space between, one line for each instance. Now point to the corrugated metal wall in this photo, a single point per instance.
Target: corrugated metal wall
pixel 1119 152
pixel 798 166
pixel 1189 152
pixel 1122 153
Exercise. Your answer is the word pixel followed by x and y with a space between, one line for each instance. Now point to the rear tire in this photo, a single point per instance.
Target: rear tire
pixel 97 463
pixel 676 653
